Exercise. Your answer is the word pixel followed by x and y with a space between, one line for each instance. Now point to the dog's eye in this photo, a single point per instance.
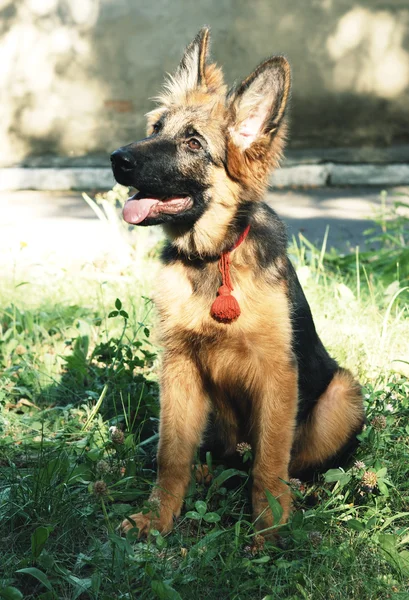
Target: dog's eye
pixel 194 144
pixel 157 127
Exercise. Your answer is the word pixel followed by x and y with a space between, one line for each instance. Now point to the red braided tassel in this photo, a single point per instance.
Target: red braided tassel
pixel 226 308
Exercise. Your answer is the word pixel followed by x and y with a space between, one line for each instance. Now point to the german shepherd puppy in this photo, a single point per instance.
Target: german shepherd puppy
pixel 251 363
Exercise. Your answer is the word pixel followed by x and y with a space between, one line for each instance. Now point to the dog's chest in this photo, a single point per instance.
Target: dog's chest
pixel 183 301
pixel 184 309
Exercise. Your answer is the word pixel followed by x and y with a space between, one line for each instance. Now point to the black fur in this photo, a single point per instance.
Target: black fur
pixel 316 368
pixel 153 166
pixel 161 167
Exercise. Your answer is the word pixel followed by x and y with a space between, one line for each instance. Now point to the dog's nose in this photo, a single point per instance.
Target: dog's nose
pixel 123 160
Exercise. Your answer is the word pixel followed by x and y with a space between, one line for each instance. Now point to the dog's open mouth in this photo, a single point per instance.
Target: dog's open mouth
pixel 139 207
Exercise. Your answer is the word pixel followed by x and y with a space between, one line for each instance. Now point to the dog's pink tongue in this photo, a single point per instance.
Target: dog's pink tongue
pixel 135 211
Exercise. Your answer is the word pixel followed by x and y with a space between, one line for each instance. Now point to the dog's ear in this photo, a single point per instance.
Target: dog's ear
pixel 257 105
pixel 193 73
pixel 190 73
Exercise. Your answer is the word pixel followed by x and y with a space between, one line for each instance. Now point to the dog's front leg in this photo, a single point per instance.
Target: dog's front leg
pixel 183 416
pixel 274 413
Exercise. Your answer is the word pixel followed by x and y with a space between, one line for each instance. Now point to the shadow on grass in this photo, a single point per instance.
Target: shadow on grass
pixel 59 357
pixel 115 378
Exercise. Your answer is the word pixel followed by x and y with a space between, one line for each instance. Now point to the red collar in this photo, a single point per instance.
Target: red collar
pixel 241 238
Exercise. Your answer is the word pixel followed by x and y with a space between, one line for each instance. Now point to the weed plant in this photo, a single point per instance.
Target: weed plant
pixel 79 416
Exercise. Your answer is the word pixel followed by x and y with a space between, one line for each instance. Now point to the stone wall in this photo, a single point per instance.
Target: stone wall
pixel 76 75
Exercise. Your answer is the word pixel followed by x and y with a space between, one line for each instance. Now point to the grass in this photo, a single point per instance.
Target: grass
pixel 79 415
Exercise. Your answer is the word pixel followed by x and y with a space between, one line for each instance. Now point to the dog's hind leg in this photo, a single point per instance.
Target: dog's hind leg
pixel 331 428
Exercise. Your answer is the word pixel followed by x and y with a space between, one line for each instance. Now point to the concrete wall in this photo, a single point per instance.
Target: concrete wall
pixel 76 75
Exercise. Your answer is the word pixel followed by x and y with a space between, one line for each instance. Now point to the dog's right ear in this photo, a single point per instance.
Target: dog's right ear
pixel 190 73
pixel 193 73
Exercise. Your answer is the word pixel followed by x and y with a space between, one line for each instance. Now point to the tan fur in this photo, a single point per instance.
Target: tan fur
pixel 214 80
pixel 184 409
pixel 195 81
pixel 176 92
pixel 245 371
pixel 153 117
pixel 208 236
pixel 253 165
pixel 248 352
pixel 338 413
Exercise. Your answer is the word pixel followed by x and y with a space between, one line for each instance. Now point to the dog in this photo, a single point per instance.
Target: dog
pixel 241 352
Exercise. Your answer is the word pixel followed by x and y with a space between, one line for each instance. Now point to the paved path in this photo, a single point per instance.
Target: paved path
pixel 348 212
pixel 60 225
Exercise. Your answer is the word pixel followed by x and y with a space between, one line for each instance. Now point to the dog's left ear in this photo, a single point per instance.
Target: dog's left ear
pixel 258 105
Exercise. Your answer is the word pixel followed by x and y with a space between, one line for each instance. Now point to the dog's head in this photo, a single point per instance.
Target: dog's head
pixel 203 144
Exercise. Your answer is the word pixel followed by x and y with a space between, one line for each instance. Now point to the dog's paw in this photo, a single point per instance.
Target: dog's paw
pixel 266 526
pixel 263 516
pixel 146 522
pixel 202 474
